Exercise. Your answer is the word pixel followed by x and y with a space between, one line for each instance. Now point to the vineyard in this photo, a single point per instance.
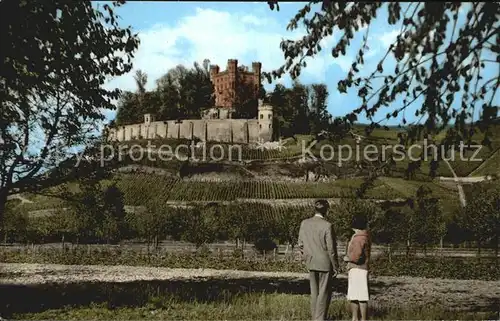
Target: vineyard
pixel 138 189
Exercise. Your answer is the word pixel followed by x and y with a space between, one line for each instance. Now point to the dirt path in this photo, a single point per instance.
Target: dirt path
pixel 454 294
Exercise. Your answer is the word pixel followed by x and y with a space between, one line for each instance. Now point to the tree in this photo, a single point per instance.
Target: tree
pixel 152 224
pixel 15 224
pixel 437 53
pixel 180 93
pixel 85 210
pixel 481 216
pixel 319 114
pixel 342 214
pixel 289 225
pixel 389 227
pixel 238 219
pixel 55 57
pixel 127 110
pixel 427 225
pixel 201 227
pixel 299 100
pixel 113 226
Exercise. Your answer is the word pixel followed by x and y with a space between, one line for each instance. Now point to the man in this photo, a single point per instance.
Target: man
pixel 317 243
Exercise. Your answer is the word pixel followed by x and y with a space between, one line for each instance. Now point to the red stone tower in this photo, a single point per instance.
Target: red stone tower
pixel 226 82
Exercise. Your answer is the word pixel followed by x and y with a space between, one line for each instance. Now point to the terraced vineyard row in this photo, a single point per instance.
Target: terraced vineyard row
pixel 213 151
pixel 139 188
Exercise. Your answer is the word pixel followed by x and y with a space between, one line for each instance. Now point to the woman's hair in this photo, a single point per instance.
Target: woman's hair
pixel 359 222
pixel 321 206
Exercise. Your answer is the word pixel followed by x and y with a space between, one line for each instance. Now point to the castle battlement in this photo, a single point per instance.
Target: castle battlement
pixel 219 130
pixel 216 124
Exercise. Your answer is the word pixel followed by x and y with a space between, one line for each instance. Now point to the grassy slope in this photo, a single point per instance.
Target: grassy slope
pixel 172 189
pixel 167 188
pixel 275 306
pixel 489 167
pixel 378 137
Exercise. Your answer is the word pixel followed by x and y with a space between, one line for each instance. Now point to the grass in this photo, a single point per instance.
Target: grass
pixel 273 306
pixel 490 167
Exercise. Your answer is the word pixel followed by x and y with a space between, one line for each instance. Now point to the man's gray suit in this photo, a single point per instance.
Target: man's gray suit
pixel 318 244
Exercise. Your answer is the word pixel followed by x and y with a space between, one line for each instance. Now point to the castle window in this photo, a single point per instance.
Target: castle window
pixel 269 125
pixel 269 116
pixel 260 126
pixel 261 116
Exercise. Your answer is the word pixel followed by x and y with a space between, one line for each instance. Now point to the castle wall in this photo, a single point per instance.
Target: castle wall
pixel 199 129
pixel 172 129
pixel 239 130
pixel 222 130
pixel 219 130
pixel 253 130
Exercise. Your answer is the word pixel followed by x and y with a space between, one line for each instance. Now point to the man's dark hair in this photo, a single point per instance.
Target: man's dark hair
pixel 321 206
pixel 359 222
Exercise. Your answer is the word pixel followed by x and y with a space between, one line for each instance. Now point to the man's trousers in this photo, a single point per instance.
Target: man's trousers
pixel 321 293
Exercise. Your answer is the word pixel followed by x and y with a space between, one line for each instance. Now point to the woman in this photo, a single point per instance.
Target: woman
pixel 357 258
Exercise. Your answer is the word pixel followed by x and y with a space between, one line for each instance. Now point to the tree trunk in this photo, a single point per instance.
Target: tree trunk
pixel 3 202
pixel 496 250
pixel 389 252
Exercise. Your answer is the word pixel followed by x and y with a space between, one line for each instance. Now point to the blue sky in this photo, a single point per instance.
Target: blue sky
pixel 175 33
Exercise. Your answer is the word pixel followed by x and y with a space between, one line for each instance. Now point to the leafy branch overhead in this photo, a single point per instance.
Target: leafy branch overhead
pixel 55 58
pixel 441 50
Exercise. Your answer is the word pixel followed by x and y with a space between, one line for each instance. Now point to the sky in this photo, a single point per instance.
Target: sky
pixel 174 33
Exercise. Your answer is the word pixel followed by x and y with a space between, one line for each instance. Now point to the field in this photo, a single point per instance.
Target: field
pixel 490 166
pixel 173 189
pixel 150 293
pixel 243 204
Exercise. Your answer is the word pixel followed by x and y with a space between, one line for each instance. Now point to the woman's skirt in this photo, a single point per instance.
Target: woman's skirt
pixel 357 287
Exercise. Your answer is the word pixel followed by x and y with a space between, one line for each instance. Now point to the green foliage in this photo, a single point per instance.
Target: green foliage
pixel 168 188
pixel 94 213
pixel 427 224
pixel 56 88
pixel 390 226
pixel 341 215
pixel 481 217
pixel 301 109
pixel 431 267
pixel 15 224
pixel 288 224
pixel 201 226
pixel 180 93
pixel 427 69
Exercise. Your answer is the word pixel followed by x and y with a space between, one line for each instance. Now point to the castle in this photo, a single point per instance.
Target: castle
pixel 216 124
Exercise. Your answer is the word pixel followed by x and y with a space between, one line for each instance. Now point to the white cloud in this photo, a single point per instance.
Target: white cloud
pixel 218 36
pixel 344 62
pixel 388 38
pixel 214 35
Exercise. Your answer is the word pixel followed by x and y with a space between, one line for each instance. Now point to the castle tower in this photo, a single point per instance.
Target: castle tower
pixel 148 119
pixel 265 120
pixel 214 71
pixel 256 70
